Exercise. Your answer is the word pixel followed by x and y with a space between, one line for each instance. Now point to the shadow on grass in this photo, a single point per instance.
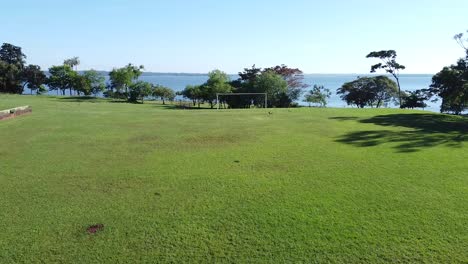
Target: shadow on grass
pixel 79 99
pixel 417 131
pixel 92 99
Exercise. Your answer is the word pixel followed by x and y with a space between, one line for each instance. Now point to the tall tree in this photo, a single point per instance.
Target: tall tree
pixel 194 93
pixel 368 91
pixel 415 99
pixel 10 78
pixel 12 54
pixel 318 95
pixel 250 75
pixel 72 62
pixel 248 82
pixel 95 81
pixel 62 78
pixel 275 87
pixel 294 77
pixel 462 41
pixel 139 90
pixel 12 61
pixel 389 64
pixel 122 78
pixel 33 77
pixel 218 82
pixel 164 93
pixel 451 83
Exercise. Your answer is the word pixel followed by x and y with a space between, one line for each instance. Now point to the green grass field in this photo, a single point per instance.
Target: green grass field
pixel 298 185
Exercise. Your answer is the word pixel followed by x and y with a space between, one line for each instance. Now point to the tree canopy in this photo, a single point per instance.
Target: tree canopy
pixel 12 62
pixel 318 95
pixel 163 93
pixel 415 99
pixel 122 78
pixel 33 77
pixel 389 65
pixel 62 78
pixel 94 83
pixel 72 62
pixel 275 87
pixel 368 91
pixel 451 84
pixel 139 90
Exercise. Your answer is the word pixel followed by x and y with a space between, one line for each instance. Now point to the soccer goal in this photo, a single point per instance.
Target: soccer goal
pixel 242 100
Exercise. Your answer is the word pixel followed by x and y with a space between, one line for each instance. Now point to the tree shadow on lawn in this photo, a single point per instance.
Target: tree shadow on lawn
pixel 79 99
pixel 92 99
pixel 423 131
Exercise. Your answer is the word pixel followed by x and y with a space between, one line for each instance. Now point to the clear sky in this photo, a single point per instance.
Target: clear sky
pixel 331 36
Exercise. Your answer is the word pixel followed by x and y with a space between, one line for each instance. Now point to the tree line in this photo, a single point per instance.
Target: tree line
pixel 15 76
pixel 283 85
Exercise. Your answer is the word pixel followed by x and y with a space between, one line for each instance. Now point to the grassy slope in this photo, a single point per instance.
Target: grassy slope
pixel 339 185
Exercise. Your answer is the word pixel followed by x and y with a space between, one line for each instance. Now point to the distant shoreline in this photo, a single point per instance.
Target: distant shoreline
pixel 305 74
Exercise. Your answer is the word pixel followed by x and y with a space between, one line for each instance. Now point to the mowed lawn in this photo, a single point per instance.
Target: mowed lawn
pixel 298 185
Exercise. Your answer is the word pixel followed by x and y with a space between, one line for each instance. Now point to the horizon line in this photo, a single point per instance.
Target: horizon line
pixel 314 73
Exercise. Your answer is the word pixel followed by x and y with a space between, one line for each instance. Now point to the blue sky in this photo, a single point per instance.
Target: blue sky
pixel 330 36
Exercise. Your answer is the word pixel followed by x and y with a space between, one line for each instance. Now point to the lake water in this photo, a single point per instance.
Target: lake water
pixel 408 82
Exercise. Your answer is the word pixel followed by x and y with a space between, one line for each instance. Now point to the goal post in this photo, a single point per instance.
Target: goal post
pixel 241 94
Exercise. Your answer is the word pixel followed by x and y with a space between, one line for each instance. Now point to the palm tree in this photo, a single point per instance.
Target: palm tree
pixel 72 62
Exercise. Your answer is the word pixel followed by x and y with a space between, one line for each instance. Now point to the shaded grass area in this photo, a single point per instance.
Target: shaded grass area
pixel 414 132
pixel 98 182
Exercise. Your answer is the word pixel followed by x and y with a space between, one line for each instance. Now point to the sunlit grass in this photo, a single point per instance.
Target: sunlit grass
pixel 168 185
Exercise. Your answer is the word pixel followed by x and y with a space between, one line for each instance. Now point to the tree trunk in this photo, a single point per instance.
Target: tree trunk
pixel 399 90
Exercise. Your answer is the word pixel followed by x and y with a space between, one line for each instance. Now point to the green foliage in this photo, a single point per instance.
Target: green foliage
pixel 33 77
pixel 139 90
pixel 72 62
pixel 218 82
pixel 42 90
pixel 164 93
pixel 122 78
pixel 275 87
pixel 389 65
pixel 62 78
pixel 368 91
pixel 12 62
pixel 294 78
pixel 94 83
pixel 415 99
pixel 10 78
pixel 318 95
pixel 193 93
pixel 12 54
pixel 248 83
pixel 451 84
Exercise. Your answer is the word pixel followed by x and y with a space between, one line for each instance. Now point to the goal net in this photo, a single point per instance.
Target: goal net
pixel 241 100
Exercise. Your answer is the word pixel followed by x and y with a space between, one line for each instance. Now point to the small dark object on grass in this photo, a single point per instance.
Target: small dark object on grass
pixel 157 194
pixel 95 228
pixel 237 161
pixel 270 113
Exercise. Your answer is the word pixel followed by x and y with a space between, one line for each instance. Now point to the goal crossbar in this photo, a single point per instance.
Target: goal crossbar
pixel 222 94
